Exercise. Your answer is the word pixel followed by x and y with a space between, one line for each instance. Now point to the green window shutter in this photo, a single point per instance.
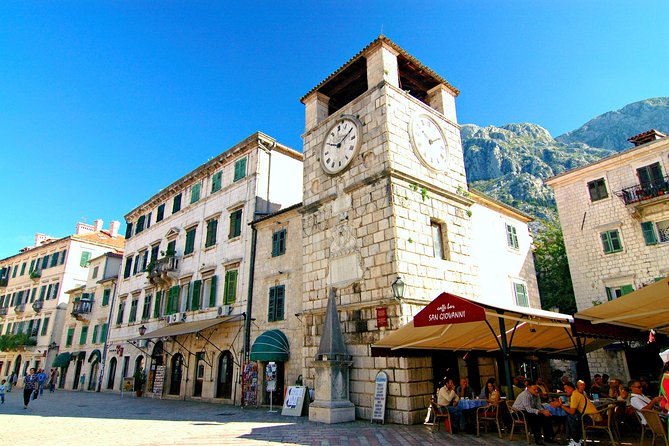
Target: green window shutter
pixel 94 338
pixel 279 243
pixel 173 300
pixel 606 244
pixel 70 335
pixel 235 224
pixel 45 325
pixel 271 304
pixel 160 213
pixel 83 335
pixel 626 289
pixel 279 302
pixel 32 266
pixel 190 241
pixel 33 294
pixel 197 290
pixel 230 292
pixel 212 292
pixel 54 295
pixel 156 305
pixel 105 297
pixel 84 259
pixel 648 233
pixel 216 182
pixel 103 332
pixel 240 169
pixel 62 256
pixel 609 294
pixel 176 204
pixel 23 268
pixel 195 193
pixel 212 226
pixel 45 263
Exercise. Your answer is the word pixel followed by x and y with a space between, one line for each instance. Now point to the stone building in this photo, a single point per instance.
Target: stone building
pixel 614 215
pixel 33 285
pixel 181 302
pixel 86 324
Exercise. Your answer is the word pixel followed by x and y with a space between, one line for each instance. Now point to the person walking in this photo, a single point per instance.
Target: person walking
pixel 11 380
pixel 2 391
pixel 29 387
pixel 41 379
pixel 53 379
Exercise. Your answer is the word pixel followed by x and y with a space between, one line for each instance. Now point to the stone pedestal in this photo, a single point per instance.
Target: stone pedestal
pixel 331 404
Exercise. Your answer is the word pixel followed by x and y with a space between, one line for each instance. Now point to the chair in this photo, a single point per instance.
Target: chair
pixel 488 414
pixel 439 416
pixel 517 419
pixel 591 423
pixel 655 425
pixel 644 427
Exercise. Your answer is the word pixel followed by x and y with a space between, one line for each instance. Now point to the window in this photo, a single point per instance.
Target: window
pixel 148 220
pixel 33 295
pixel 240 169
pixel 597 190
pixel 45 263
pixel 62 256
pixel 121 309
pixel 132 317
pixel 520 292
pixel 94 338
pixel 235 224
pixel 172 300
pixel 511 236
pixel 31 269
pixel 23 267
pixel 146 310
pixel 16 268
pixel 42 292
pixel 616 292
pixel 135 269
pixel 650 176
pixel 54 259
pixel 85 256
pixel 70 336
pixel 128 230
pixel 145 259
pixel 230 288
pixel 611 241
pixel 140 224
pixel 196 297
pixel 105 297
pixel 176 204
pixel 95 272
pixel 438 240
pixel 103 332
pixel 160 213
pixel 54 291
pixel 49 291
pixel 171 248
pixel 210 240
pixel 275 307
pixel 195 193
pixel 190 240
pixel 279 243
pixel 663 230
pixel 83 335
pixel 154 252
pixel 157 310
pixel 216 182
pixel 184 298
pixel 210 291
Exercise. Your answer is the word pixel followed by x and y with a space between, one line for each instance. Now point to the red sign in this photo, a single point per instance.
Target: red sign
pixel 381 317
pixel 119 350
pixel 449 309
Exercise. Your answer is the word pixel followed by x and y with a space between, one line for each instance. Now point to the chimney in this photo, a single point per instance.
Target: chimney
pixel 84 228
pixel 39 239
pixel 113 228
pixel 643 138
pixel 98 225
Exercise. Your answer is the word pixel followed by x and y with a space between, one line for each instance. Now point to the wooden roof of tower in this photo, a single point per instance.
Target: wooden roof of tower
pixel 414 76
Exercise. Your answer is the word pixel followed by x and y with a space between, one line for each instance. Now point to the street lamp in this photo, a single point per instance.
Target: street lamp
pixel 142 330
pixel 398 288
pixel 52 346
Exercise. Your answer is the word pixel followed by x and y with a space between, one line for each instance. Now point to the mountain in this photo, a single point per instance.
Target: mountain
pixel 611 129
pixel 510 162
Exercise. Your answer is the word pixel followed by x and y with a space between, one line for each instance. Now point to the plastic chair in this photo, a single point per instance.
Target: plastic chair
pixel 488 414
pixel 655 425
pixel 439 416
pixel 590 422
pixel 517 419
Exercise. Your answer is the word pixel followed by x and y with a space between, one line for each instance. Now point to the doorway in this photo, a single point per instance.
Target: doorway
pixel 176 374
pixel 199 374
pixel 92 378
pixel 224 378
pixel 277 395
pixel 112 374
pixel 156 361
pixel 77 373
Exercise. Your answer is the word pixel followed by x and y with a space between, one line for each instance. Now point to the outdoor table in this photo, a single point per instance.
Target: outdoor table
pixel 555 411
pixel 471 404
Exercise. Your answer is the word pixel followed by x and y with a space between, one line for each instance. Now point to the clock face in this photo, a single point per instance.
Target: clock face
pixel 429 142
pixel 340 146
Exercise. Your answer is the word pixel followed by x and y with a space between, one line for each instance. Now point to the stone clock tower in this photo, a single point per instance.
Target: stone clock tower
pixel 385 195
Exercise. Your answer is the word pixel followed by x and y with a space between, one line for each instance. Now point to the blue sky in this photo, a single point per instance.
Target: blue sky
pixel 102 103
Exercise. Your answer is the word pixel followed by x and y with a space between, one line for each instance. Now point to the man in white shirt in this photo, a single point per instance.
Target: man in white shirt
pixel 642 402
pixel 448 399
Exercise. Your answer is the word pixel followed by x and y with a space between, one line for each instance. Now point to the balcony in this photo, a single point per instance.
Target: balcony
pixel 81 309
pixel 38 305
pixel 36 274
pixel 641 193
pixel 3 312
pixel 20 308
pixel 161 273
pixel 3 282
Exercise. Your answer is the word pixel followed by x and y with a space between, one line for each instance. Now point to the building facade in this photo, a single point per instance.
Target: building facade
pixel 614 215
pixel 33 298
pixel 185 276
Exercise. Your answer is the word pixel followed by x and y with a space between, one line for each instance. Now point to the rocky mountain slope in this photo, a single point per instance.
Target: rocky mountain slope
pixel 510 162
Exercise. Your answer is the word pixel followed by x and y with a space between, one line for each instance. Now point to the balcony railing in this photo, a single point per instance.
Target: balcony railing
pixel 38 305
pixel 159 272
pixel 83 306
pixel 645 191
pixel 3 312
pixel 20 308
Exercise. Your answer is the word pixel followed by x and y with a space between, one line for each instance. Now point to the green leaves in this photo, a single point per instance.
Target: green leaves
pixel 12 342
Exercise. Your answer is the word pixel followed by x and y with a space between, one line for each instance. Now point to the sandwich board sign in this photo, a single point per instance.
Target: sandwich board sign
pixel 380 392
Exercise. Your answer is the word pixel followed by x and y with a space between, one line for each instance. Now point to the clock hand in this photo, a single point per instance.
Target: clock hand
pixel 345 136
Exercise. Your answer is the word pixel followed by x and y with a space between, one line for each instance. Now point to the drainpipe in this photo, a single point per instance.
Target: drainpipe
pixel 249 297
pixel 112 304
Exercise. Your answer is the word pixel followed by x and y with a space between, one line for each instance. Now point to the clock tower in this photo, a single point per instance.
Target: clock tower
pixel 385 196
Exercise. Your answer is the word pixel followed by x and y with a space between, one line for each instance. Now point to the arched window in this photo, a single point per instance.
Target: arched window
pixel 224 378
pixel 175 381
pixel 111 374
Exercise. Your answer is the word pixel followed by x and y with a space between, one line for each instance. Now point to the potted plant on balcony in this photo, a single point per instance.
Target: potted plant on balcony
pixel 35 275
pixel 139 381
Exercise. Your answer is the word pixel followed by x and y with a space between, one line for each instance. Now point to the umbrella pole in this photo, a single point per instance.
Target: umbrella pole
pixel 505 355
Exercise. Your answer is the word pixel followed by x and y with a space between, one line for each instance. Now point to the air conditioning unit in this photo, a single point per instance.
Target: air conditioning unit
pixel 224 310
pixel 173 318
pixel 182 317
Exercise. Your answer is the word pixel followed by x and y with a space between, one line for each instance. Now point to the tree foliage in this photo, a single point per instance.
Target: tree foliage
pixel 12 342
pixel 553 277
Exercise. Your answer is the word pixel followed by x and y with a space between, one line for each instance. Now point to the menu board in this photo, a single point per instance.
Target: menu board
pixel 380 392
pixel 158 381
pixel 293 404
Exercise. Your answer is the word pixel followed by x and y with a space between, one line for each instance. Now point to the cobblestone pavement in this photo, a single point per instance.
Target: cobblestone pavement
pixel 77 418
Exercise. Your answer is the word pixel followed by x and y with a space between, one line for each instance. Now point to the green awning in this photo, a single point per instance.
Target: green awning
pixel 271 346
pixel 62 360
pixel 94 356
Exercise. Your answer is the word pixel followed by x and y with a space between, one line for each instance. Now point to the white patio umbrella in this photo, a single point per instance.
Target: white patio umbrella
pixel 665 355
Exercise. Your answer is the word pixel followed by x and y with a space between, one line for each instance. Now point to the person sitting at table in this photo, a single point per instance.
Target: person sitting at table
pixel 490 393
pixel 596 389
pixel 518 385
pixel 543 388
pixel 448 399
pixel 579 405
pixel 642 402
pixel 464 391
pixel 484 395
pixel 537 417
